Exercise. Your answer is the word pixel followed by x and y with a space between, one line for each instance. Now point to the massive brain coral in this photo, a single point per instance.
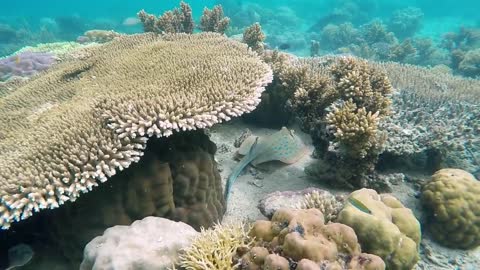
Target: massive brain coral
pixel 452 201
pixel 78 124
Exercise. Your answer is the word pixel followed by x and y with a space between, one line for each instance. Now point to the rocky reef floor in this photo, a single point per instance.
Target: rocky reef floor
pixel 255 183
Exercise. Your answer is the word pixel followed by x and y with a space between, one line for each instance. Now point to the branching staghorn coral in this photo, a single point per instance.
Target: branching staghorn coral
pixel 79 123
pixel 342 113
pixel 216 248
pixel 326 202
pixel 355 129
pixel 254 37
pixel 213 20
pixel 179 20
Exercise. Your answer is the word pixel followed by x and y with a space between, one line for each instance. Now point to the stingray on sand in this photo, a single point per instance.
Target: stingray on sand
pixel 282 146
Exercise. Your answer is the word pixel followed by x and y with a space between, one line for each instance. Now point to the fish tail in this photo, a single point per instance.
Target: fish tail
pixel 252 154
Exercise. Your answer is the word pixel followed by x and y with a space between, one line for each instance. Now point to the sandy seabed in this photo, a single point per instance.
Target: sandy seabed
pixel 254 183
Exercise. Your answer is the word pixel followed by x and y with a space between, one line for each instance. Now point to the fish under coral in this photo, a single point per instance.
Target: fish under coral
pixel 282 146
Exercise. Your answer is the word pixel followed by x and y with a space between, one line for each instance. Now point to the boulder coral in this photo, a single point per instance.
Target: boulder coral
pixel 150 243
pixel 77 125
pixel 451 198
pixel 177 178
pixel 384 227
pixel 301 237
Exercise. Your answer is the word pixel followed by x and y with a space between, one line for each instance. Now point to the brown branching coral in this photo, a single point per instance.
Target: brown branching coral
pixel 367 86
pixel 254 37
pixel 355 129
pixel 213 20
pixel 342 112
pixel 84 120
pixel 179 20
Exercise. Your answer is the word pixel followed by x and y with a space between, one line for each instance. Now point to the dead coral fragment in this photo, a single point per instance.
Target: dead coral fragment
pixel 179 20
pixel 215 249
pixel 213 20
pixel 254 37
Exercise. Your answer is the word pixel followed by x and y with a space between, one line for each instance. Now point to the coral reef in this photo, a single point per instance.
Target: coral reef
pixel 177 178
pixel 328 203
pixel 470 64
pixel 452 204
pixel 324 201
pixel 272 111
pixel 434 123
pixel 25 64
pixel 465 42
pixel 384 228
pixel 213 20
pixel 406 22
pixel 215 248
pixel 98 36
pixel 341 112
pixel 254 37
pixel 301 237
pixel 84 120
pixel 150 243
pixel 179 20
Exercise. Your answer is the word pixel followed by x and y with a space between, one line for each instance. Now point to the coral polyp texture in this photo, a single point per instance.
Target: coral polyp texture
pixel 82 121
pixel 384 227
pixel 301 237
pixel 453 207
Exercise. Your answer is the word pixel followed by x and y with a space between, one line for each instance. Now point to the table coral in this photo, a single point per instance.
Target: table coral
pixel 386 228
pixel 84 120
pixel 177 178
pixel 301 236
pixel 451 199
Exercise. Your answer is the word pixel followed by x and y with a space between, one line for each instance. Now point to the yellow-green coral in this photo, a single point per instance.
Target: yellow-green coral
pixel 215 248
pixel 388 229
pixel 452 198
pixel 354 128
pixel 364 84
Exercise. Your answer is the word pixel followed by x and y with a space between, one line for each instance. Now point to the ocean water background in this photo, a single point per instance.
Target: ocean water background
pixel 74 17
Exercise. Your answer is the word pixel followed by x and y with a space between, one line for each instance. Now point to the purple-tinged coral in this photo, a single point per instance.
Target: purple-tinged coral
pixel 25 64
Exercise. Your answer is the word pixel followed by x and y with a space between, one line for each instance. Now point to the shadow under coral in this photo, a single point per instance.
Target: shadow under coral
pixel 177 178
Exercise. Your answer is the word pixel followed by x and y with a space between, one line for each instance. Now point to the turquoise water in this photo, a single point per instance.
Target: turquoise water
pixel 435 122
pixel 56 20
